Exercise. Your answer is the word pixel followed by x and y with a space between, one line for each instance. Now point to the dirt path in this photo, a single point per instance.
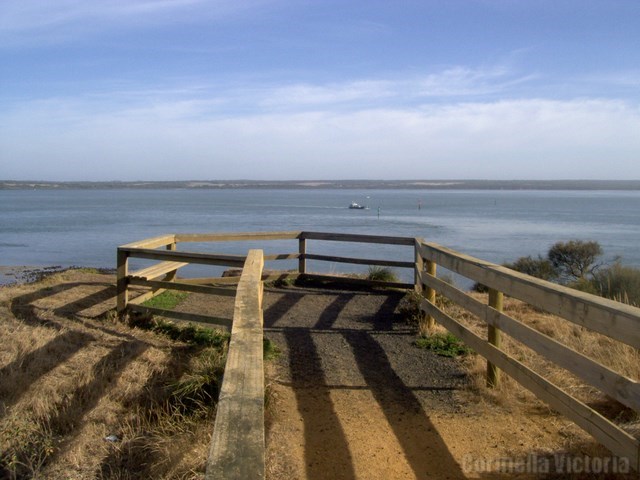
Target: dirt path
pixel 352 395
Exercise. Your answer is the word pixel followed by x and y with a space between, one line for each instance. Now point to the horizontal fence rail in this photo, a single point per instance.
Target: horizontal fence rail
pixel 163 249
pixel 617 321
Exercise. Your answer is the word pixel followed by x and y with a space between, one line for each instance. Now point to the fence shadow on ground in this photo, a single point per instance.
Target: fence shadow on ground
pixel 327 450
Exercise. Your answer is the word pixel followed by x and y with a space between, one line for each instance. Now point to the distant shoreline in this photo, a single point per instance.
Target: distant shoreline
pixel 332 184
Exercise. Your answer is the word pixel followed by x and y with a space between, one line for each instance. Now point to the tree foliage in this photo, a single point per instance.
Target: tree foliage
pixel 536 267
pixel 575 259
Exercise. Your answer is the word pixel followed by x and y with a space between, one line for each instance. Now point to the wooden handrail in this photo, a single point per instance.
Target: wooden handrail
pixel 237 444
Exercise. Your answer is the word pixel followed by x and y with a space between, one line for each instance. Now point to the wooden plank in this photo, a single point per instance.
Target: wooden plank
pixel 354 281
pixel 189 257
pixel 282 256
pixel 183 316
pixel 211 281
pixel 122 281
pixel 153 242
pixel 184 287
pixel 349 237
pixel 235 236
pixel 619 387
pixel 494 336
pixel 616 320
pixel 359 261
pixel 608 434
pixel 143 297
pixel 237 449
pixel 157 270
pixel 302 260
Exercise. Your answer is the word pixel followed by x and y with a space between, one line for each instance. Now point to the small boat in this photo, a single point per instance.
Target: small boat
pixel 357 206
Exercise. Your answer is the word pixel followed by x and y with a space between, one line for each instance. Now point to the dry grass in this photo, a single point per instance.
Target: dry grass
pixel 611 353
pixel 68 381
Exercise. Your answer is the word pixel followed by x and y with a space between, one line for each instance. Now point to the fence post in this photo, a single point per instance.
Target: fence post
pixel 121 281
pixel 419 268
pixel 171 276
pixel 495 338
pixel 430 293
pixel 302 261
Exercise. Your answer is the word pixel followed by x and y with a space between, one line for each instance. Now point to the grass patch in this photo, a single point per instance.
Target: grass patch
pixel 202 383
pixel 443 344
pixel 381 274
pixel 166 300
pixel 189 333
pixel 270 350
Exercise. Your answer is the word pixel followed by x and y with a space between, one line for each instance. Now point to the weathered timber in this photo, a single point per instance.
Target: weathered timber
pixel 122 280
pixel 237 445
pixel 617 386
pixel 494 336
pixel 348 237
pixel 360 261
pixel 302 260
pixel 234 236
pixel 608 434
pixel 614 319
pixel 188 257
pixel 153 242
pixel 282 256
pixel 157 270
pixel 354 281
pixel 184 287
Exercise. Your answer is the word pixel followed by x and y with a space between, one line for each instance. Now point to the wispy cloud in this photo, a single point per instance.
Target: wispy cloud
pixel 32 22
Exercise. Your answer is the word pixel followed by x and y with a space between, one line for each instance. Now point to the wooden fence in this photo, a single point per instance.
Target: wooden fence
pixel 617 321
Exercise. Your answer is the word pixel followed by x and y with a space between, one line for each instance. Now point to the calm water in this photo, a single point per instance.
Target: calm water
pixel 84 227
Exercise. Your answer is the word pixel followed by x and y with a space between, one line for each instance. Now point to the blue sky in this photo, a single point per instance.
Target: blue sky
pixel 271 89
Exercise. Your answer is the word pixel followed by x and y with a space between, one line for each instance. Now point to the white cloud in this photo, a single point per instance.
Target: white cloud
pixel 534 138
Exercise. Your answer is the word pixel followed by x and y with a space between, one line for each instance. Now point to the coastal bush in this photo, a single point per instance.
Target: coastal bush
pixel 536 267
pixel 619 283
pixel 575 259
pixel 572 263
pixel 381 274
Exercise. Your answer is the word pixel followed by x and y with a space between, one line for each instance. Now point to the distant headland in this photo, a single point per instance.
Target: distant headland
pixel 333 184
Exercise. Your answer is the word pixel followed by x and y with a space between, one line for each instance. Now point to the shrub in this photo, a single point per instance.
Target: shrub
pixel 574 259
pixel 536 267
pixel 444 344
pixel 381 274
pixel 619 283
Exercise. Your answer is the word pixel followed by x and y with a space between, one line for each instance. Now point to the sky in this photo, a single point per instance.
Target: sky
pixel 324 89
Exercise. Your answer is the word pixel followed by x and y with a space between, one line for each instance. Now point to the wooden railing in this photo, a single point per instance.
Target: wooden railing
pixel 617 321
pixel 163 275
pixel 237 444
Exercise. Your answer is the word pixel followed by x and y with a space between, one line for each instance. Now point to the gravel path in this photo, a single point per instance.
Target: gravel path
pixel 353 396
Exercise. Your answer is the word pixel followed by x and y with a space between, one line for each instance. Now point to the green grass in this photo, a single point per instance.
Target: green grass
pixel 270 350
pixel 166 300
pixel 381 274
pixel 443 344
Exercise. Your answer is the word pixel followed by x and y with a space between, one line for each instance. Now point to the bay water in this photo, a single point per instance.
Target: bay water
pixel 84 227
